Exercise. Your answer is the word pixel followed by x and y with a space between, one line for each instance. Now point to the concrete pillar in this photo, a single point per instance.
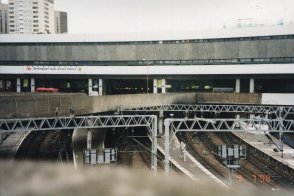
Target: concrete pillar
pixel 237 88
pixel 154 146
pixel 166 147
pixel 100 87
pixel 18 87
pixel 251 86
pixel 33 85
pixel 155 86
pixel 89 139
pixel 90 89
pixel 160 122
pixel 163 89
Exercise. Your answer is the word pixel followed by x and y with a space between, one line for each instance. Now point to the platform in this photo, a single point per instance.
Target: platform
pixel 265 145
pixel 190 166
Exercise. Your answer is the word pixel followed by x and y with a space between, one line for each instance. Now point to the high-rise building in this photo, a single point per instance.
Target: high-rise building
pixel 31 16
pixel 3 18
pixel 60 22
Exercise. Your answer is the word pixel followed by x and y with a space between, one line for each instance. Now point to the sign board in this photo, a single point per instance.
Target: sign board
pixel 52 69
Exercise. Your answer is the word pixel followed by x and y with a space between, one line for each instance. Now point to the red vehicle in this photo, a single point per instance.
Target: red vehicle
pixel 47 90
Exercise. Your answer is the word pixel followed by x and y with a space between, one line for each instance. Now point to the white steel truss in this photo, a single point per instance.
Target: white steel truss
pixel 222 125
pixel 61 123
pixel 58 123
pixel 227 125
pixel 255 109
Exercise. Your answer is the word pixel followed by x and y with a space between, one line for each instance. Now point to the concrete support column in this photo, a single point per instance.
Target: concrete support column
pixel 163 88
pixel 90 89
pixel 160 122
pixel 237 87
pixel 166 147
pixel 251 86
pixel 18 87
pixel 33 85
pixel 155 86
pixel 154 146
pixel 89 139
pixel 100 87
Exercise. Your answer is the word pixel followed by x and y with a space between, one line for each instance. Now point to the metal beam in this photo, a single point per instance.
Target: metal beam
pixel 256 109
pixel 59 123
pixel 227 125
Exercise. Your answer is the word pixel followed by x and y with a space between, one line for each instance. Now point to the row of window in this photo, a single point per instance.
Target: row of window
pixel 11 13
pixel 161 62
pixel 12 3
pixel 274 37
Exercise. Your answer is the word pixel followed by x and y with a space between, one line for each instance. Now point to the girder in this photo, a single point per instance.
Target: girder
pixel 255 109
pixel 227 125
pixel 59 123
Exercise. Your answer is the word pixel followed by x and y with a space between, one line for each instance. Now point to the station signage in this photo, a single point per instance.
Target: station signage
pixel 52 69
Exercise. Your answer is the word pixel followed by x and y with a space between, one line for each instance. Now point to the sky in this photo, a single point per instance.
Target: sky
pixel 132 16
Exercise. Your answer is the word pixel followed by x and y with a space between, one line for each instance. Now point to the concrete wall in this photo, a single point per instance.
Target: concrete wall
pixel 229 98
pixel 182 51
pixel 112 102
pixel 39 105
pixel 43 105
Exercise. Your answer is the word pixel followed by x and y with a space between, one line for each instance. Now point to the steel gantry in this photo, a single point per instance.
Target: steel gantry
pixel 255 109
pixel 42 124
pixel 222 125
pixel 62 123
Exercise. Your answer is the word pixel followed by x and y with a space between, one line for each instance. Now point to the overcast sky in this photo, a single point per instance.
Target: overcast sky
pixel 113 16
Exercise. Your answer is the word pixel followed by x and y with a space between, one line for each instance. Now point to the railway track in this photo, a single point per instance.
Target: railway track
pixel 264 174
pixel 211 141
pixel 191 147
pixel 248 171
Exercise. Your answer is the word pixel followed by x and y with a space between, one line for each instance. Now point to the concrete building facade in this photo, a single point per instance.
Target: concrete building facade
pixel 31 16
pixel 3 18
pixel 241 60
pixel 60 22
